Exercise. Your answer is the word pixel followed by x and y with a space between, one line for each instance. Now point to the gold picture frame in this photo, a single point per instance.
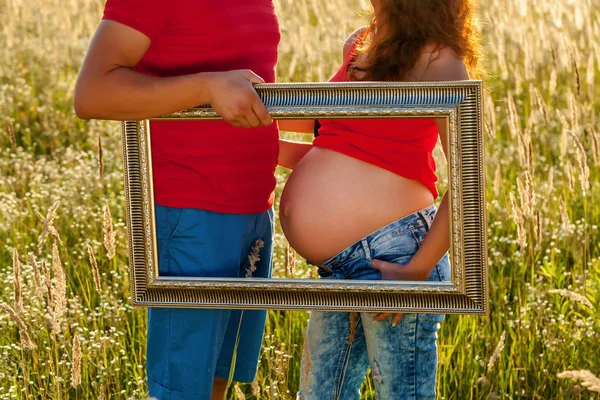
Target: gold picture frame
pixel 467 292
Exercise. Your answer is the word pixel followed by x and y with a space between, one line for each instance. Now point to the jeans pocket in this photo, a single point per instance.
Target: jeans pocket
pixel 441 271
pixel 443 268
pixel 398 249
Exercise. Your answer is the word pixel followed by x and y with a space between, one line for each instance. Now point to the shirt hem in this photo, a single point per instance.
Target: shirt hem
pixel 434 192
pixel 217 208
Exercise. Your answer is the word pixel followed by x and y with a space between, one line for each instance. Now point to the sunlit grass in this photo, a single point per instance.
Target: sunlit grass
pixel 542 152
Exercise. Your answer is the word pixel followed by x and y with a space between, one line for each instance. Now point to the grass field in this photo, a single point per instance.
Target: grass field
pixel 75 335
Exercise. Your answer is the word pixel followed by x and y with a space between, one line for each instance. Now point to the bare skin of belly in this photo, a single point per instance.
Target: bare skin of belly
pixel 330 201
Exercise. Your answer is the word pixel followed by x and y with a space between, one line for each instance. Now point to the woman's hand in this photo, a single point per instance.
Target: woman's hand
pixel 395 272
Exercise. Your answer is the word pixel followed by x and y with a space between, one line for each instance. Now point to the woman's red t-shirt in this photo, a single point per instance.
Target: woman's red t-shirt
pixel 403 146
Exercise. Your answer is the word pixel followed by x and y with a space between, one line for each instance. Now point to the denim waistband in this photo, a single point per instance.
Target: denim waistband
pixel 421 218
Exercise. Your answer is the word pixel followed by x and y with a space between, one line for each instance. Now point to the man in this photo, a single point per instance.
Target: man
pixel 213 180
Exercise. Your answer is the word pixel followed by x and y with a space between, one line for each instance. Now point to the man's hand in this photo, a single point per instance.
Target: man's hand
pixel 108 87
pixel 232 96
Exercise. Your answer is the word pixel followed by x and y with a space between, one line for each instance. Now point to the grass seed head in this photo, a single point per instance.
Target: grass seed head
pixel 48 222
pixel 497 351
pixel 573 296
pixel 10 132
pixel 539 104
pixel 100 158
pixel 588 380
pixel 39 286
pixel 59 288
pixel 254 257
pixel 584 170
pixel 519 221
pixel 550 181
pixel 513 117
pixel 109 234
pixel 255 388
pixel 574 112
pixel 48 284
pixel 595 146
pixel 539 229
pixel 18 296
pixel 290 260
pixel 95 271
pixel 570 176
pixel 76 362
pixel 238 392
pixel 26 342
pixel 564 135
pixel 497 181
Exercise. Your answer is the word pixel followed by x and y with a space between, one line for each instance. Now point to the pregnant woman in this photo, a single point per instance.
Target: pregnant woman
pixel 360 203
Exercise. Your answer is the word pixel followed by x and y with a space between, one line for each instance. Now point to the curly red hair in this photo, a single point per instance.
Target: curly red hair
pixel 401 29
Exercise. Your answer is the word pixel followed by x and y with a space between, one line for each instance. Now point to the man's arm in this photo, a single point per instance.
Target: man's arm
pixel 108 87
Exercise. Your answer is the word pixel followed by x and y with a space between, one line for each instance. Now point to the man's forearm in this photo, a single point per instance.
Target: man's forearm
pixel 124 94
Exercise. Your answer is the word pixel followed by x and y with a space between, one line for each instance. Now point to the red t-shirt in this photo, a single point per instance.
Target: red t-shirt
pixel 403 146
pixel 208 164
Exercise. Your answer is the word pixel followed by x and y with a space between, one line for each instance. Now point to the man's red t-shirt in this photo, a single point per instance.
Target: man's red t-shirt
pixel 208 165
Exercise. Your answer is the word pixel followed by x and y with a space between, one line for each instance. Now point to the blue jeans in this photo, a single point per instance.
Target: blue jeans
pixel 188 348
pixel 341 346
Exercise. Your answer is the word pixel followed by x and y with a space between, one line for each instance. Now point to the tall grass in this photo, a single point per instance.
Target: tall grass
pixel 68 331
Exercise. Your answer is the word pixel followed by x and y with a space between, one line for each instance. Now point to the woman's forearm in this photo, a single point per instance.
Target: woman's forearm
pixel 297 125
pixel 435 245
pixel 290 153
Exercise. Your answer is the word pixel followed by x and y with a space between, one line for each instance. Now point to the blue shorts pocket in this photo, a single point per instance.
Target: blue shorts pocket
pixel 168 221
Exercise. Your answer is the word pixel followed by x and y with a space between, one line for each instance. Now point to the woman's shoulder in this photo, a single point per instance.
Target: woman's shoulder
pixel 349 42
pixel 438 63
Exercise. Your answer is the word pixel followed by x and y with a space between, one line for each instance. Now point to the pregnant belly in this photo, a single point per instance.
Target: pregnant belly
pixel 330 201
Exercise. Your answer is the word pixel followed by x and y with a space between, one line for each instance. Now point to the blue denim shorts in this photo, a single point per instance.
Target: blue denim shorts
pixel 340 347
pixel 188 348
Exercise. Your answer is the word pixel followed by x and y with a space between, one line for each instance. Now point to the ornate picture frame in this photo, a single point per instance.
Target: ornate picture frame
pixel 467 293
